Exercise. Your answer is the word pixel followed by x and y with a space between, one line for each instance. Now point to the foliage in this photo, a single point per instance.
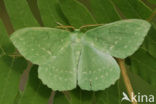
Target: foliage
pixel 23 13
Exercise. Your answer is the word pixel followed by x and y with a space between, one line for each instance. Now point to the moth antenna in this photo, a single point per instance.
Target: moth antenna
pixel 90 25
pixel 59 24
pixel 66 27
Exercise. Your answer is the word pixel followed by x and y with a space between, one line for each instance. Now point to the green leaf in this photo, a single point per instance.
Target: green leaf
pixel 60 98
pixel 35 92
pixel 5 44
pixel 120 39
pixel 140 88
pixel 140 85
pixel 9 77
pixel 133 8
pixel 9 71
pixel 20 14
pixel 143 64
pixel 103 11
pixel 150 42
pixel 152 1
pixel 51 13
pixel 76 96
pixel 78 15
pixel 10 74
pixel 109 96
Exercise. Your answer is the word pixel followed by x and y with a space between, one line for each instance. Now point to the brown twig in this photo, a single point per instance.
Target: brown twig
pixel 51 99
pixel 126 79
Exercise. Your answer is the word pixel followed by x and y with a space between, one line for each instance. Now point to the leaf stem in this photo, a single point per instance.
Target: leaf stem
pixel 126 79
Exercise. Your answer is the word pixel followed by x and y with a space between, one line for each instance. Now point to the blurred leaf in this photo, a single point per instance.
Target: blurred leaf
pixel 103 11
pixel 35 10
pixel 140 87
pixel 5 44
pixel 51 13
pixel 20 14
pixel 76 13
pixel 35 92
pixel 76 96
pixel 60 98
pixel 150 42
pixel 11 69
pixel 133 8
pixel 143 64
pixel 9 78
pixel 110 96
pixel 152 1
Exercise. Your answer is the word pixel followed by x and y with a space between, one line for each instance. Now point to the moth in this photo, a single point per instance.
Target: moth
pixel 67 59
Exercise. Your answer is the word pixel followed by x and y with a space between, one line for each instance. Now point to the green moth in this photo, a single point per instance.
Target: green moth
pixel 67 59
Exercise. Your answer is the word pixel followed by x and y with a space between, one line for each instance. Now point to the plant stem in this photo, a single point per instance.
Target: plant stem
pixel 24 77
pixel 127 82
pixel 51 99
